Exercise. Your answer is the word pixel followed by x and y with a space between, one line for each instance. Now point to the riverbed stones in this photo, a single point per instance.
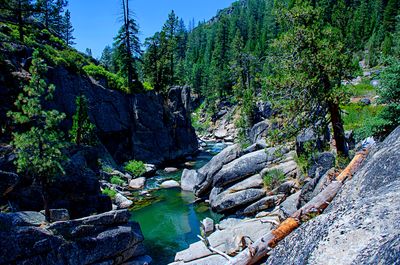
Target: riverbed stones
pixel 170 184
pixel 170 169
pixel 207 226
pixel 122 202
pixel 137 183
pixel 189 179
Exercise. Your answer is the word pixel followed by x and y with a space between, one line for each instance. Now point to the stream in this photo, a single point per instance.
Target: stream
pixel 169 218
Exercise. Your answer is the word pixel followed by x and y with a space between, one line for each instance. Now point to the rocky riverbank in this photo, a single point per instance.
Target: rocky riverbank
pixel 360 223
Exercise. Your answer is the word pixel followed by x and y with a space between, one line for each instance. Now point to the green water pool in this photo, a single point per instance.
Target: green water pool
pixel 172 221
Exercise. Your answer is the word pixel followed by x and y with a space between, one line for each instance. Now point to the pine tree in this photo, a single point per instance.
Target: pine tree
pixel 127 46
pixel 20 9
pixel 68 29
pixel 170 31
pixel 106 59
pixel 310 62
pixel 83 131
pixel 39 144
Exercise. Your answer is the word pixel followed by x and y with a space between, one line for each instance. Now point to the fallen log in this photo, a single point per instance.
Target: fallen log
pixel 260 248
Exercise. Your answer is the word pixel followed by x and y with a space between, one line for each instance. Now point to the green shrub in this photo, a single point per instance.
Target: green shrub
pixel 136 168
pixel 363 120
pixel 147 86
pixel 113 81
pixel 74 60
pixel 273 179
pixel 109 192
pixel 117 181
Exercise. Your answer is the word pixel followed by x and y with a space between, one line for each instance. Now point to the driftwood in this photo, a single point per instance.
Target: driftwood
pixel 261 248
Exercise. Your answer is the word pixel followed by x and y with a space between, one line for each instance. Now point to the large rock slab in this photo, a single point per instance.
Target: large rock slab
pixel 226 201
pixel 245 166
pixel 207 172
pixel 361 224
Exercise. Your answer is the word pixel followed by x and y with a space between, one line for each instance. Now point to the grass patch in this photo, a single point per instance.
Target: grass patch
pixel 109 192
pixel 117 181
pixel 363 120
pixel 362 90
pixel 136 168
pixel 273 179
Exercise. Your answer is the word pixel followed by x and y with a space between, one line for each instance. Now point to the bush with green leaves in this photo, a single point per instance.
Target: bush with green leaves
pixel 272 179
pixel 83 130
pixel 117 181
pixel 136 168
pixel 113 80
pixel 109 192
pixel 389 93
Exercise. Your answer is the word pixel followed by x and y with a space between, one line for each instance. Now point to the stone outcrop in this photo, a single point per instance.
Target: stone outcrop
pixel 108 238
pixel 361 224
pixel 148 127
pixel 78 190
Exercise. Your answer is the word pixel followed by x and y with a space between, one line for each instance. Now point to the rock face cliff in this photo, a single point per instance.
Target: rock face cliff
pixel 148 126
pixel 144 127
pixel 361 226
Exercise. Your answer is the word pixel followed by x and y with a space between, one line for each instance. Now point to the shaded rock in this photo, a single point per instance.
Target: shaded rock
pixel 189 179
pixel 58 215
pixel 351 142
pixel 361 223
pixel 287 187
pixel 263 110
pixel 170 184
pixel 104 239
pixel 122 202
pixel 365 101
pixel 260 205
pixel 28 218
pixel 8 181
pixel 137 183
pixel 309 138
pixel 259 131
pixel 321 164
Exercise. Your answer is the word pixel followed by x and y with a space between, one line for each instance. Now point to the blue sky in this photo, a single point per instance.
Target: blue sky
pixel 96 21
